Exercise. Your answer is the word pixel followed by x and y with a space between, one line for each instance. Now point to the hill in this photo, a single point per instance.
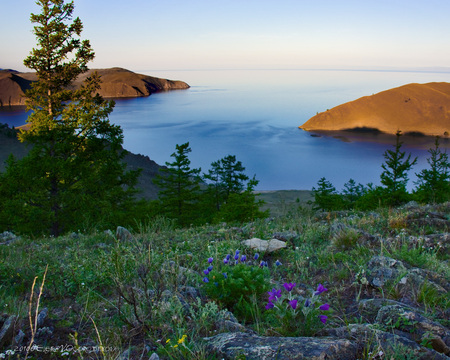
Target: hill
pixel 412 108
pixel 116 83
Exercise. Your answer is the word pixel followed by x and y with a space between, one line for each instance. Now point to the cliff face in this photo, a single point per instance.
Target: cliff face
pixel 423 108
pixel 116 83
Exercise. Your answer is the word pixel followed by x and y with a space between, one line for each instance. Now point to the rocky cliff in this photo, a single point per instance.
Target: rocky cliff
pixel 412 108
pixel 116 83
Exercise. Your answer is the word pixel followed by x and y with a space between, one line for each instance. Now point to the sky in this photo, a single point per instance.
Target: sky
pixel 247 34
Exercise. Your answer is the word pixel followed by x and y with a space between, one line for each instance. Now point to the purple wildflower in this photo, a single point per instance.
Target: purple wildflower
pixel 228 256
pixel 236 257
pixel 324 307
pixel 289 286
pixel 206 271
pixel 261 264
pixel 293 303
pixel 210 268
pixel 269 305
pixel 225 275
pixel 225 261
pixel 237 252
pixel 278 263
pixel 307 303
pixel 210 260
pixel 243 258
pixel 274 294
pixel 256 256
pixel 323 318
pixel 320 289
pixel 205 279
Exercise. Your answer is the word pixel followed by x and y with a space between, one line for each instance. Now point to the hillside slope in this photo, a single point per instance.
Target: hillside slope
pixel 422 108
pixel 116 83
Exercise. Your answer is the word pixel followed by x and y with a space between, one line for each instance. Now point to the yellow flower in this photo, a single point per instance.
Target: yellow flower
pixel 175 346
pixel 167 341
pixel 180 341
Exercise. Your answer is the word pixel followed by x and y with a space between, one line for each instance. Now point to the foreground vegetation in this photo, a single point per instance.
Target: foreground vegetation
pixel 107 295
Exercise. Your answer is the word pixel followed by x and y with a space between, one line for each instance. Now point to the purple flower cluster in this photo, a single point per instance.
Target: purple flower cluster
pixel 275 296
pixel 228 261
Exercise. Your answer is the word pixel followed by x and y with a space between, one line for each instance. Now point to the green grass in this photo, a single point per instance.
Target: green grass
pixel 130 291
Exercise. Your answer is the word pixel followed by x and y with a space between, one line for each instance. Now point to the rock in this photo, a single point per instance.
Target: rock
pixel 285 236
pixel 122 234
pixel 41 317
pixel 373 339
pixel 369 307
pixel 228 322
pixel 252 347
pixel 383 269
pixel 416 325
pixel 18 339
pixel 7 330
pixel 7 237
pixel 154 356
pixel 264 245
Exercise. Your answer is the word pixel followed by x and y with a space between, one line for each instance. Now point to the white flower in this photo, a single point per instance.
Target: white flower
pixel 2 356
pixel 9 352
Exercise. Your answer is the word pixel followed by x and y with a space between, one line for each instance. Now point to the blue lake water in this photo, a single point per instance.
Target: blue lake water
pixel 255 114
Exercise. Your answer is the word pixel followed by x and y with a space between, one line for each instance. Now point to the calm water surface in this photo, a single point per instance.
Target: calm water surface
pixel 255 115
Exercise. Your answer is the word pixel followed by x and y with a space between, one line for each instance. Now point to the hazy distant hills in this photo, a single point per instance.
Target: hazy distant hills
pixel 116 83
pixel 414 108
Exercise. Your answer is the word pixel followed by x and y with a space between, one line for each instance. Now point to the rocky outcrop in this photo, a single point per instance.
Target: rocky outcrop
pixel 116 83
pixel 412 108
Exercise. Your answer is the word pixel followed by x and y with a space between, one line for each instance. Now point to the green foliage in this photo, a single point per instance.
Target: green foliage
pixel 325 196
pixel 74 172
pixel 180 187
pixel 433 185
pixel 395 174
pixel 237 287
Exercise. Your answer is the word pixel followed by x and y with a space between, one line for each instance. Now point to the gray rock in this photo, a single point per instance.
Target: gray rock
pixel 285 236
pixel 416 325
pixel 373 339
pixel 264 245
pixel 18 339
pixel 7 237
pixel 231 345
pixel 369 307
pixel 41 317
pixel 154 356
pixel 383 269
pixel 7 330
pixel 122 234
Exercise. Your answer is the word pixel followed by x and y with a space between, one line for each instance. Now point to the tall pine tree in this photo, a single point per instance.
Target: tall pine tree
pixel 74 174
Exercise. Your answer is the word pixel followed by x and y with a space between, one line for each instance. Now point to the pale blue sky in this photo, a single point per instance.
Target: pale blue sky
pixel 247 34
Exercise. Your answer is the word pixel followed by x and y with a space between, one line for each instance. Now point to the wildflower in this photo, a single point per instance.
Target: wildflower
pixel 324 307
pixel 167 341
pixel 225 261
pixel 256 256
pixel 2 356
pixel 261 264
pixel 237 252
pixel 289 286
pixel 205 280
pixel 320 289
pixel 293 303
pixel 225 275
pixel 269 305
pixel 278 263
pixel 210 268
pixel 228 256
pixel 175 346
pixel 243 258
pixel 274 294
pixel 323 318
pixel 210 260
pixel 181 341
pixel 206 271
pixel 236 257
pixel 307 303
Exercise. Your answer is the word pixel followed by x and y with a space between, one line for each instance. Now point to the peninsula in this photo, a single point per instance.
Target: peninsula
pixel 116 83
pixel 412 108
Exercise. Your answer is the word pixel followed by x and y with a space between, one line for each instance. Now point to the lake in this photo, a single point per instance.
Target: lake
pixel 255 114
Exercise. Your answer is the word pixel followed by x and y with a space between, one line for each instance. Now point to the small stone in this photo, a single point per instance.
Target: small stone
pixel 264 245
pixel 122 234
pixel 7 330
pixel 154 356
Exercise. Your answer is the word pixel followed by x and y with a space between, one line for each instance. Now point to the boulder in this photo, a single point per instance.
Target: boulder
pixel 253 347
pixel 122 234
pixel 383 269
pixel 264 245
pixel 7 330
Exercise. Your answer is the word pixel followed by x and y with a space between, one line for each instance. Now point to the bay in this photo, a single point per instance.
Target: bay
pixel 255 114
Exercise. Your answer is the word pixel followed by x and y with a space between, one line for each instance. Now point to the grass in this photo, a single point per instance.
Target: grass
pixel 137 295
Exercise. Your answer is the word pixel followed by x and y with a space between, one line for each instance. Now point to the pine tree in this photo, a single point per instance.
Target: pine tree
pixel 433 184
pixel 395 174
pixel 74 173
pixel 179 186
pixel 325 196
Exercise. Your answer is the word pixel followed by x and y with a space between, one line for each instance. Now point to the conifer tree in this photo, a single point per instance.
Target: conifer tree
pixel 180 187
pixel 433 184
pixel 73 173
pixel 395 174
